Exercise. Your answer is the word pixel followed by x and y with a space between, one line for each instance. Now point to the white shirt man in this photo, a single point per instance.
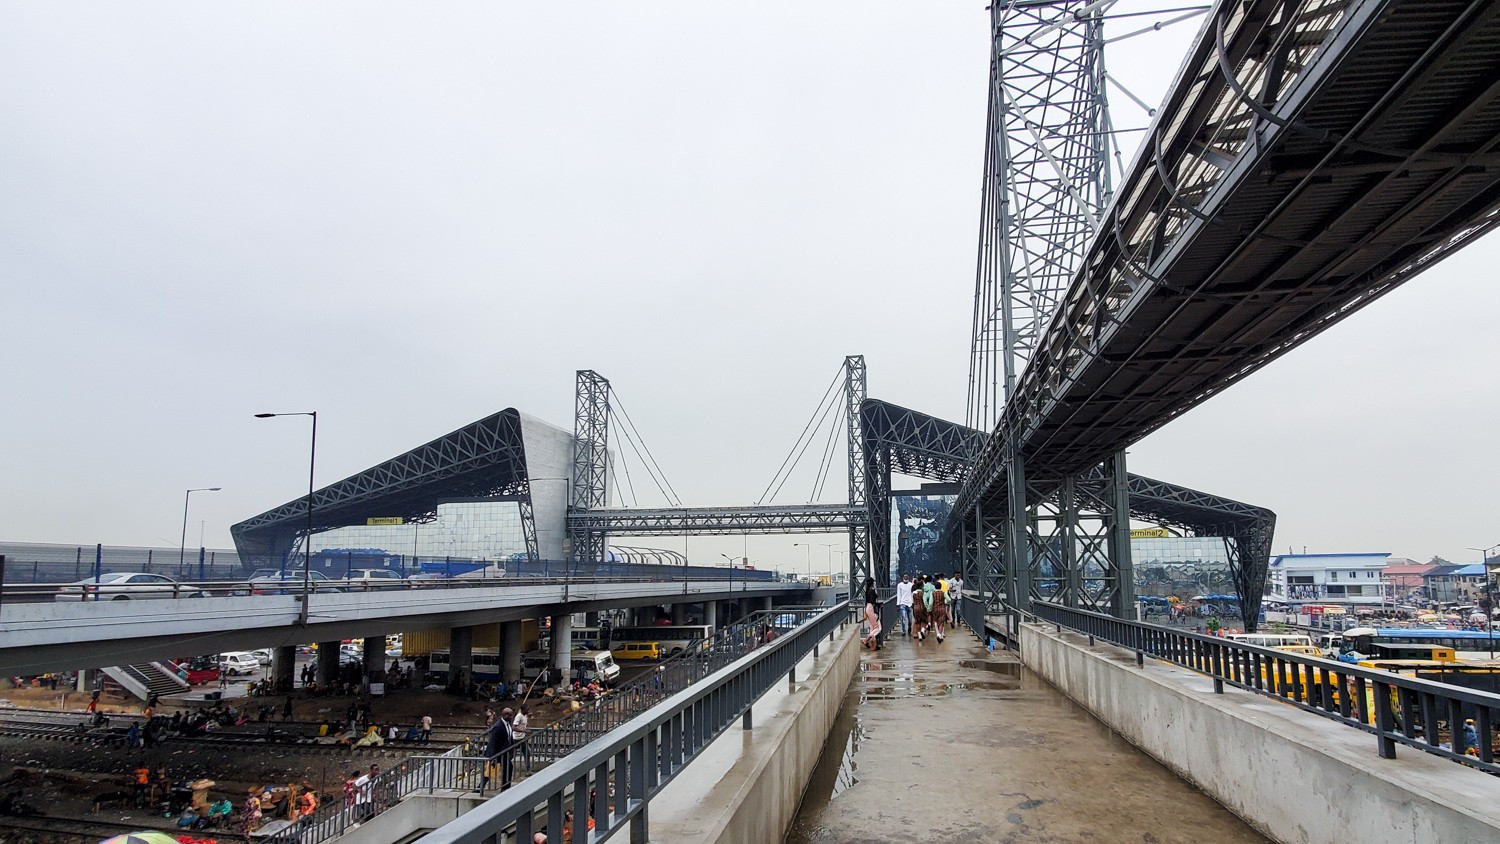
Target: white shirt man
pixel 903 603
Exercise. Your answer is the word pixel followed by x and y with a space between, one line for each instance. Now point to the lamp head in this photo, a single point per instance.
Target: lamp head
pixel 264 415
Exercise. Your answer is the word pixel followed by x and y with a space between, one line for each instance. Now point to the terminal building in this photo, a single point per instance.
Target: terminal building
pixel 497 489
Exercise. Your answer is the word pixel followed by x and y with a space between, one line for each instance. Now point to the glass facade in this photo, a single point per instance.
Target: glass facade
pixel 483 529
pixel 1183 566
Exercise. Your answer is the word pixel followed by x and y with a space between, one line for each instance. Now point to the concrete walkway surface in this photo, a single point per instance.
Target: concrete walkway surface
pixel 947 742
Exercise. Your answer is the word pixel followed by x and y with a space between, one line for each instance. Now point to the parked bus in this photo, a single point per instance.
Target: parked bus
pixel 1271 640
pixel 1468 645
pixel 673 638
pixel 583 639
pixel 484 663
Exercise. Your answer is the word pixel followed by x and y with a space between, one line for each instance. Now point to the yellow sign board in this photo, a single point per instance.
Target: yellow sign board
pixel 1149 533
pixel 385 520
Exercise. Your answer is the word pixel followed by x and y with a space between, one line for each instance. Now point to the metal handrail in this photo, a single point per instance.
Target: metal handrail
pixel 1394 708
pixel 546 745
pixel 639 758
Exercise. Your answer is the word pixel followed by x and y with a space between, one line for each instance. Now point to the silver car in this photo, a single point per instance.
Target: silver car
pixel 127 585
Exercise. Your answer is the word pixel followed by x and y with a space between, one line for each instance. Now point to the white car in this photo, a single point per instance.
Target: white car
pixel 262 655
pixel 127 585
pixel 361 579
pixel 239 662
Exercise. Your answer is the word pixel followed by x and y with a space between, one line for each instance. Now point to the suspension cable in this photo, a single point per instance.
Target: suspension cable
pixel 669 491
pixel 816 411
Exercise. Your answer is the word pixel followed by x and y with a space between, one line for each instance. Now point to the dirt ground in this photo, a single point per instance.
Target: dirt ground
pixel 63 778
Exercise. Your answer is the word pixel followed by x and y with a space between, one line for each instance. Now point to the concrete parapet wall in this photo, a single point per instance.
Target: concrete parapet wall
pixel 1297 777
pixel 756 796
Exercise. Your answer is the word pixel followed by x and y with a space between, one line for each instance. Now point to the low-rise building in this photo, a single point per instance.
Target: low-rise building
pixel 1403 580
pixel 1350 579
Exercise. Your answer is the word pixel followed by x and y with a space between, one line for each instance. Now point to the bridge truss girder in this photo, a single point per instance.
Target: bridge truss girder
pixel 699 521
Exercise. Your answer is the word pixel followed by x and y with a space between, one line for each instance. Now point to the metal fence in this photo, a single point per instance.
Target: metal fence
pixel 1395 708
pixel 543 746
pixel 612 778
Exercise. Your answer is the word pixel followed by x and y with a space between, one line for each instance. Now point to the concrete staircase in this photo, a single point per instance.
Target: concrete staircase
pixel 144 679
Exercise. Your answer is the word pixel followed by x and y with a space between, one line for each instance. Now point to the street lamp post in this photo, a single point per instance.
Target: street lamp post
pixel 182 551
pixel 307 546
pixel 826 546
pixel 1489 592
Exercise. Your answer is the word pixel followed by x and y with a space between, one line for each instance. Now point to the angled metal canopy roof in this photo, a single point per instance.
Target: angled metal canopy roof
pixel 484 459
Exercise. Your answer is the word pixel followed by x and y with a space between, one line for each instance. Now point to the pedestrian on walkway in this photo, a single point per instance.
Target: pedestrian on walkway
pixel 497 750
pixel 903 604
pixel 518 727
pixel 918 611
pixel 929 586
pixel 872 616
pixel 939 612
pixel 425 735
pixel 955 599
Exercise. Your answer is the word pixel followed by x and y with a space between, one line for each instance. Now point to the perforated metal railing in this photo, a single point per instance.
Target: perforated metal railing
pixel 1395 708
pixel 613 778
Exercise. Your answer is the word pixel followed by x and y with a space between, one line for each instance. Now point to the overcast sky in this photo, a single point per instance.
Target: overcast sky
pixel 409 217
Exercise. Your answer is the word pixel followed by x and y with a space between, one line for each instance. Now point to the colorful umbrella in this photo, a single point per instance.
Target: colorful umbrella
pixel 144 837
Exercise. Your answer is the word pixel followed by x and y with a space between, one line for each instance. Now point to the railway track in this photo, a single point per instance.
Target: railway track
pixel 297 736
pixel 62 830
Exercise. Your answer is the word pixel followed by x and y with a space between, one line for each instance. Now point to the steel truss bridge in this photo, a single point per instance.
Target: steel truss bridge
pixel 1074 561
pixel 794 518
pixel 1312 155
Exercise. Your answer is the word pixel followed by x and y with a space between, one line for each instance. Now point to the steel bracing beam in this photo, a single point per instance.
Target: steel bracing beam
pixel 590 460
pixel 1045 182
pixel 855 387
pixel 803 518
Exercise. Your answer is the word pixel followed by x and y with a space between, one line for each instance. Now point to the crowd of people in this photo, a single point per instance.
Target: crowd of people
pixel 928 604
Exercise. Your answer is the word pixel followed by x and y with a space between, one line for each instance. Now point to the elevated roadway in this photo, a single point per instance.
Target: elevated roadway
pixel 40 637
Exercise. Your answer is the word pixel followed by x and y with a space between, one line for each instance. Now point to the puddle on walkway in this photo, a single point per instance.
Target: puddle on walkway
pixel 835 773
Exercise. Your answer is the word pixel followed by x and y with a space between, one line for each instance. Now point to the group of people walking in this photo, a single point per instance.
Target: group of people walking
pixel 928 604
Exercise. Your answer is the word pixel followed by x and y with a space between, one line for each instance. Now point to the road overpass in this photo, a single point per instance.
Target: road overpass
pixel 44 636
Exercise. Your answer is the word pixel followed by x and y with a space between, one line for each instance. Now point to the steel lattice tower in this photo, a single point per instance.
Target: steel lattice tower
pixel 1046 180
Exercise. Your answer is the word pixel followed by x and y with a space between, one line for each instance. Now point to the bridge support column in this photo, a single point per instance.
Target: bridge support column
pixel 461 655
pixel 374 658
pixel 562 647
pixel 1122 587
pixel 591 619
pixel 1017 531
pixel 328 662
pixel 283 667
pixel 711 613
pixel 510 651
pixel 679 613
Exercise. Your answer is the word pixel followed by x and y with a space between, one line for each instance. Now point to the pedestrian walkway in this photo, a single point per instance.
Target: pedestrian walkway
pixel 951 743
